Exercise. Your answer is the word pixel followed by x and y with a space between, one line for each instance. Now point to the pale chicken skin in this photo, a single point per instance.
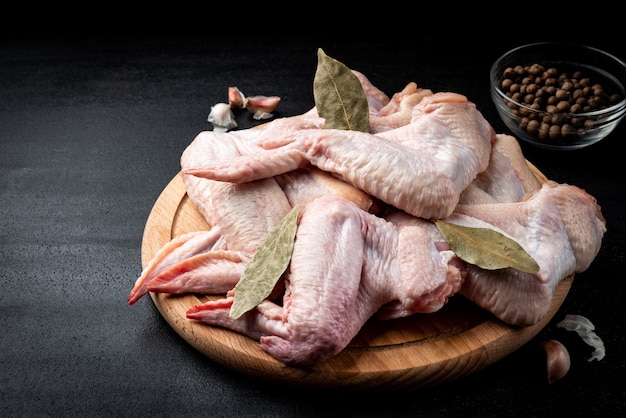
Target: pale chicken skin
pixel 211 262
pixel 172 254
pixel 561 226
pixel 245 213
pixel 364 247
pixel 347 265
pixel 507 177
pixel 421 168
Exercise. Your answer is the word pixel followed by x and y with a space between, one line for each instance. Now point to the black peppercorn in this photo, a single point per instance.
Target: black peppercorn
pixel 550 91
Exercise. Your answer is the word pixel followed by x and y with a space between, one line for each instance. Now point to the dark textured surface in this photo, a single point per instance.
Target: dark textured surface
pixel 91 131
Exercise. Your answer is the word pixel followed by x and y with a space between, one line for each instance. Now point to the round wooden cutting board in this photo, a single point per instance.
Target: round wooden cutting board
pixel 418 351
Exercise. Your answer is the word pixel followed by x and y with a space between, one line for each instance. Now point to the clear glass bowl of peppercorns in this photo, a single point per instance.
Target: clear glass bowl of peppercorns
pixel 559 95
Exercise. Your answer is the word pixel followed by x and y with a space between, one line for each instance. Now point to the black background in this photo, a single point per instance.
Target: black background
pixel 91 131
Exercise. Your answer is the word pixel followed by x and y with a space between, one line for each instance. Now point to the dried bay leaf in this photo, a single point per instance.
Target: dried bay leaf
pixel 339 96
pixel 486 248
pixel 266 266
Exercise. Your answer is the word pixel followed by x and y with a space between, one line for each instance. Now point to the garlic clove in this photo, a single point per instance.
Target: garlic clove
pixel 222 117
pixel 236 99
pixel 557 360
pixel 262 106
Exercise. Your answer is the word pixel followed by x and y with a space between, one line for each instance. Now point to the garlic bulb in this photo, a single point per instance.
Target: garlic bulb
pixel 222 117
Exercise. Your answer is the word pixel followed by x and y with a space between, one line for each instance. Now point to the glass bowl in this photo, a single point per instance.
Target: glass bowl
pixel 559 95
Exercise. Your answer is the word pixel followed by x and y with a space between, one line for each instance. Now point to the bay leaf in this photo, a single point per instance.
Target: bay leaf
pixel 267 265
pixel 486 248
pixel 339 96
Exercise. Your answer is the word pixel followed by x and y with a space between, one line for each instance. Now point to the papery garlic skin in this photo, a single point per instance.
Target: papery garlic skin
pixel 585 329
pixel 260 115
pixel 557 360
pixel 222 117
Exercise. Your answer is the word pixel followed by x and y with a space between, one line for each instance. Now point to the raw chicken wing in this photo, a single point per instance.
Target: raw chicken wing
pixel 346 265
pixel 421 168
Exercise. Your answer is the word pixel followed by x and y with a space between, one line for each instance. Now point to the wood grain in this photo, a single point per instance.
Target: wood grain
pixel 418 351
